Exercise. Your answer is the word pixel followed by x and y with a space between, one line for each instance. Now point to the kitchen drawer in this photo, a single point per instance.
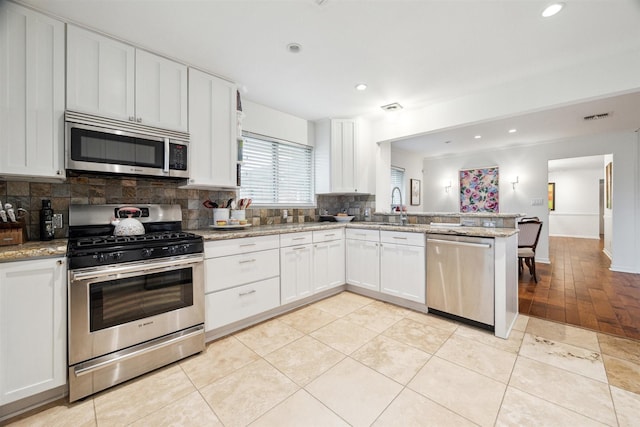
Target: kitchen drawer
pixel 403 238
pixel 363 234
pixel 294 239
pixel 231 305
pixel 233 270
pixel 238 246
pixel 328 235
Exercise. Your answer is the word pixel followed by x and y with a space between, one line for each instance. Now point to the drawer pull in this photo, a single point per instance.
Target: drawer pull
pixel 299 238
pixel 299 248
pixel 247 244
pixel 330 235
pixel 252 291
pixel 361 234
pixel 399 238
pixel 246 261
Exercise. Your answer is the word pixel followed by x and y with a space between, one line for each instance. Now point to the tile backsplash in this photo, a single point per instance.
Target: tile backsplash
pixel 102 189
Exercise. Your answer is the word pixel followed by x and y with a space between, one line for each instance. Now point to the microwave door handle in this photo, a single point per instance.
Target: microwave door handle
pixel 167 154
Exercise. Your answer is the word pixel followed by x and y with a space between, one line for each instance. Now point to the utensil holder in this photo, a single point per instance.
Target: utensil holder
pixel 220 214
pixel 238 214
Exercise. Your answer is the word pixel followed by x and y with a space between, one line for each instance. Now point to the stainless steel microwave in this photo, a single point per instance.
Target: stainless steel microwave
pixel 98 144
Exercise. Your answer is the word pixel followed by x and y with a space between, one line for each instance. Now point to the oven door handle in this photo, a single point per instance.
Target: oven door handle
pixel 139 268
pixel 92 366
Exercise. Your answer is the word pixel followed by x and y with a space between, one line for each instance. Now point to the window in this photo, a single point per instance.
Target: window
pixel 397 180
pixel 276 172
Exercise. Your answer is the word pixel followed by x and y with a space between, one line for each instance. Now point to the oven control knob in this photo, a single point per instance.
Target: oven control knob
pixel 146 252
pixel 184 248
pixel 100 257
pixel 173 250
pixel 116 255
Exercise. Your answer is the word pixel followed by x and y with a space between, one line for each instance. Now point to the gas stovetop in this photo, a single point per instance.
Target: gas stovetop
pixel 92 243
pixel 161 237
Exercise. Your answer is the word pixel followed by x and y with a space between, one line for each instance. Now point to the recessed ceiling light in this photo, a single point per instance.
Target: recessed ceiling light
pixel 361 86
pixel 513 130
pixel 478 136
pixel 552 10
pixel 294 47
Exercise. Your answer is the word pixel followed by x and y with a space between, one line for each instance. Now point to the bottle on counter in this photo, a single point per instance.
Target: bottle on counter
pixel 46 221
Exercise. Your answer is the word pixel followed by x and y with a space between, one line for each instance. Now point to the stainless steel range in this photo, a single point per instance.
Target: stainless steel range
pixel 136 302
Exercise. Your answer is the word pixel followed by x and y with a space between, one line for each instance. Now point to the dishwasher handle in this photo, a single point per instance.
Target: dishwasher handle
pixel 456 243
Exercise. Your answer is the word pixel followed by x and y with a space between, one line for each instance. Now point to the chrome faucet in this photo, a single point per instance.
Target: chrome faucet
pixel 403 214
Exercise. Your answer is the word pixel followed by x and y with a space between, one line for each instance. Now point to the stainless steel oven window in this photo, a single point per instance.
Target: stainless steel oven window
pixel 119 301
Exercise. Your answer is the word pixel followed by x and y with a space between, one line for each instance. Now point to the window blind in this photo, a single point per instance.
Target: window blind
pixel 397 180
pixel 276 172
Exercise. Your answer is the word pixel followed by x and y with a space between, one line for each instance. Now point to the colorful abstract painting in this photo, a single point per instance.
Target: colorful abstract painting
pixel 479 190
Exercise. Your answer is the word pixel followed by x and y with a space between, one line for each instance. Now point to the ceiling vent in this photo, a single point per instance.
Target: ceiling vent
pixel 597 116
pixel 392 107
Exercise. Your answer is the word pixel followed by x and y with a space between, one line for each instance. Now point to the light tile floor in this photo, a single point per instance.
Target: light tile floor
pixel 351 360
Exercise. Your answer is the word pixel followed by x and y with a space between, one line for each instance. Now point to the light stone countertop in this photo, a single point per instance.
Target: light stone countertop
pixel 58 247
pixel 34 249
pixel 265 230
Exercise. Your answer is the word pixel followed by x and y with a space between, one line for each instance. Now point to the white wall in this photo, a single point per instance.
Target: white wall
pixel 555 88
pixel 576 212
pixel 530 164
pixel 412 165
pixel 276 124
pixel 608 213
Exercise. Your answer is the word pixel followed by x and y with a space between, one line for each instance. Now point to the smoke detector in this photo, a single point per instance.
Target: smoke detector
pixel 392 107
pixel 294 47
pixel 597 116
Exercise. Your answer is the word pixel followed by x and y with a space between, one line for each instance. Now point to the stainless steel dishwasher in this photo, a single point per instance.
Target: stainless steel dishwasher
pixel 460 277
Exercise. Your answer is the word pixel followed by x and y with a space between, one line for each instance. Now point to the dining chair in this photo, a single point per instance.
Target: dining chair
pixel 528 235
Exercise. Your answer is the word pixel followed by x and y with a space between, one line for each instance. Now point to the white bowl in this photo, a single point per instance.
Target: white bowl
pixel 343 218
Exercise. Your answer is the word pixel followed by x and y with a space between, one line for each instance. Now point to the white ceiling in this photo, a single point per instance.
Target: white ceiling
pixel 408 51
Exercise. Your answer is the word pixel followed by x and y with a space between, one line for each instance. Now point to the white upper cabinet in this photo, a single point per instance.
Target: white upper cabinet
pixel 161 91
pixel 31 94
pixel 100 75
pixel 213 131
pixel 343 157
pixel 108 78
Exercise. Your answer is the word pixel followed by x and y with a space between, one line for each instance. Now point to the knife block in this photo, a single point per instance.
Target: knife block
pixel 13 233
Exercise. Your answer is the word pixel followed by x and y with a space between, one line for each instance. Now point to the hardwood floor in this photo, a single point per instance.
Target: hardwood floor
pixel 579 289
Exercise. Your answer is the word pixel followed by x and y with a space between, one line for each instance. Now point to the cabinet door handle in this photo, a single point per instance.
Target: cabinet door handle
pixel 139 120
pixel 299 238
pixel 252 291
pixel 60 262
pixel 245 261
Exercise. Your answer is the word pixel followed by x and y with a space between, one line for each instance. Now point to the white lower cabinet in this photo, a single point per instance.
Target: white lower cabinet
pixel 296 266
pixel 230 305
pixel 328 259
pixel 363 258
pixel 242 279
pixel 33 336
pixel 402 265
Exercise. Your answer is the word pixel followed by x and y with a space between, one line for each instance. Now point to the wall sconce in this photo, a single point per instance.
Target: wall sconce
pixel 447 185
pixel 515 181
